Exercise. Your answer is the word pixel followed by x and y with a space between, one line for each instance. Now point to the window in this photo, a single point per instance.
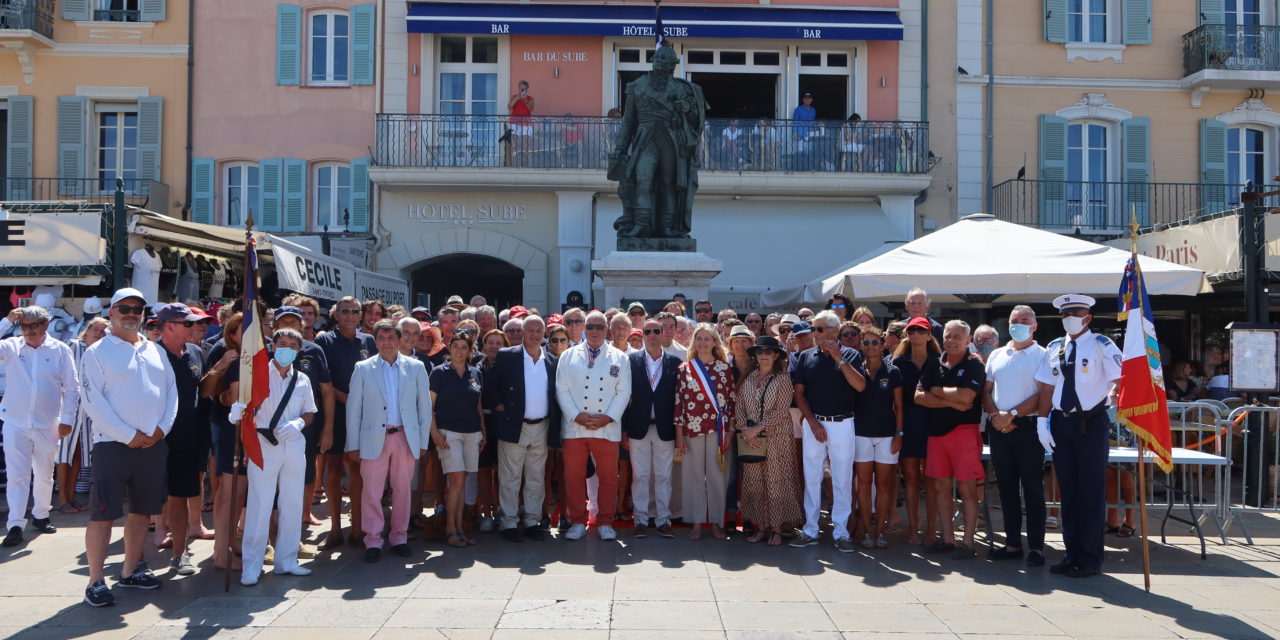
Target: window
pixel 1087 172
pixel 243 184
pixel 117 146
pixel 118 11
pixel 332 196
pixel 1246 157
pixel 330 49
pixel 1087 20
pixel 468 75
pixel 1242 12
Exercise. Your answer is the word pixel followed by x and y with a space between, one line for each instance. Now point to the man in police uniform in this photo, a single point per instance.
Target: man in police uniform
pixel 1076 377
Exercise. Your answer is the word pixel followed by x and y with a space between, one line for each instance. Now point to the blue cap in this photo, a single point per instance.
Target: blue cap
pixel 287 310
pixel 801 328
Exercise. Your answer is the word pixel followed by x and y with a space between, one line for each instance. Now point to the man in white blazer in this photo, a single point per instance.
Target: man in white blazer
pixel 593 387
pixel 388 427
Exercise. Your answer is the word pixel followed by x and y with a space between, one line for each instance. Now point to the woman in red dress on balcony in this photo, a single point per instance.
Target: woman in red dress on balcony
pixel 521 107
pixel 704 426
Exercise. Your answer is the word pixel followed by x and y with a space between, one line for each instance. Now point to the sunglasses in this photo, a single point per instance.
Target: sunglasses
pixel 754 321
pixel 850 334
pixel 636 313
pixel 917 330
pixel 186 323
pixel 652 332
pixel 557 340
pixel 348 312
pixel 573 322
pixel 596 327
pixel 30 326
pixel 703 310
pixel 837 306
pixel 784 330
pixel 871 343
pixel 131 310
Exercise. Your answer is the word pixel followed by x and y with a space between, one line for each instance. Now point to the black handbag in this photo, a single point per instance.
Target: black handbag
pixel 746 452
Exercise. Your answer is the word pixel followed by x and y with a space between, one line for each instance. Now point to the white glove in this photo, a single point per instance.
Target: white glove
pixel 237 412
pixel 1046 438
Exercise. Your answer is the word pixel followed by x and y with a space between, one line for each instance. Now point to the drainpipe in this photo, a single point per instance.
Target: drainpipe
pixel 191 73
pixel 924 78
pixel 375 202
pixel 991 108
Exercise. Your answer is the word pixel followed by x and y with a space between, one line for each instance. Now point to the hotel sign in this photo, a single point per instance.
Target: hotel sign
pixel 462 214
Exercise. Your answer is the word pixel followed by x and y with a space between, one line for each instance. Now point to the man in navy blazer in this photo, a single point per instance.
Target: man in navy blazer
pixel 649 430
pixel 521 388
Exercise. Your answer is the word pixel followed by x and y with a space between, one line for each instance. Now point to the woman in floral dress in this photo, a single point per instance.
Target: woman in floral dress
pixel 704 428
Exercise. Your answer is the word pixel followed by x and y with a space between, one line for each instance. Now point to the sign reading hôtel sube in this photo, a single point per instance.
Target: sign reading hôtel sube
pixel 467 214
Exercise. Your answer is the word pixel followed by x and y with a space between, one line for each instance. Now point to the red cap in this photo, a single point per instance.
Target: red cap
pixel 555 319
pixel 518 312
pixel 197 311
pixel 636 332
pixel 923 323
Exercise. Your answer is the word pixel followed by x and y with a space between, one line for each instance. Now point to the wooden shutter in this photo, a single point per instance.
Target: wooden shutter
pixel 295 194
pixel 71 139
pixel 202 187
pixel 1052 171
pixel 1212 12
pixel 268 214
pixel 288 44
pixel 359 195
pixel 1136 136
pixel 1213 166
pixel 150 136
pixel 18 184
pixel 1137 21
pixel 77 10
pixel 151 10
pixel 1055 20
pixel 363 30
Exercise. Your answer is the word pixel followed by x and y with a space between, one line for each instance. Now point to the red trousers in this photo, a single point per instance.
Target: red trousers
pixel 605 453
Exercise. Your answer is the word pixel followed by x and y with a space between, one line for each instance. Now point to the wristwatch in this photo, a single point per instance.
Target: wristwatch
pixel 1013 412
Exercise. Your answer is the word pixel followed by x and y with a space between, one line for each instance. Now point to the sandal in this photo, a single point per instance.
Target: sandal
pixel 719 533
pixel 71 507
pixel 914 538
pixel 1110 530
pixel 456 539
pixel 469 540
pixel 757 537
pixel 696 534
pixel 775 540
pixel 882 542
pixel 207 508
pixel 1126 531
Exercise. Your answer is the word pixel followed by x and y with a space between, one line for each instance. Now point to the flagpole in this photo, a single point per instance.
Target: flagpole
pixel 1142 450
pixel 233 511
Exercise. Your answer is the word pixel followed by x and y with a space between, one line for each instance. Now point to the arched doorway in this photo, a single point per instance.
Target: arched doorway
pixel 467 274
pixel 405 256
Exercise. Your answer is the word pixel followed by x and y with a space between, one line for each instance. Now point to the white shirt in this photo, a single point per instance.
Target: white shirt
pixel 302 401
pixel 1013 374
pixel 43 390
pixel 391 389
pixel 146 274
pixel 653 370
pixel 1097 367
pixel 535 385
pixel 678 350
pixel 128 389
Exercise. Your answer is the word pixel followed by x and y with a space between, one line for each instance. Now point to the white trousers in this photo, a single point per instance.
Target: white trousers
pixel 525 460
pixel 839 450
pixel 651 461
pixel 283 470
pixel 29 453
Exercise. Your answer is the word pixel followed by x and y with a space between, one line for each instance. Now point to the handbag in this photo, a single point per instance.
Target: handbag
pixel 746 452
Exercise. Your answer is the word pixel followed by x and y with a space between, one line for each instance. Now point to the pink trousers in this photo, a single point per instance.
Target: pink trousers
pixel 396 462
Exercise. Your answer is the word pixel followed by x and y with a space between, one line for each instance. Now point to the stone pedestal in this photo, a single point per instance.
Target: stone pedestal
pixel 655 275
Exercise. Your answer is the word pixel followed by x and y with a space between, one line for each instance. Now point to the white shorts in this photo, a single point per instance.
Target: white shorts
pixel 463 453
pixel 522 129
pixel 876 450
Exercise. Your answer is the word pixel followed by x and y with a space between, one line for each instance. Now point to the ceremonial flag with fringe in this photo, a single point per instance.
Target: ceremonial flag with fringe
pixel 1142 407
pixel 255 362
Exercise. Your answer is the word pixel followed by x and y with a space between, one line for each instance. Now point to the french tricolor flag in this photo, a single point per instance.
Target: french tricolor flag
pixel 255 362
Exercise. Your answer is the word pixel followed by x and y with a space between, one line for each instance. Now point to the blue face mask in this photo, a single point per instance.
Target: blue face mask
pixel 1019 332
pixel 284 356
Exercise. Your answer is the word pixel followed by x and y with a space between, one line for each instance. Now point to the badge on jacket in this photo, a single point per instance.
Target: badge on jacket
pixel 613 371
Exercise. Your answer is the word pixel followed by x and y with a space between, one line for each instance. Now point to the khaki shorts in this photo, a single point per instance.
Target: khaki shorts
pixel 463 453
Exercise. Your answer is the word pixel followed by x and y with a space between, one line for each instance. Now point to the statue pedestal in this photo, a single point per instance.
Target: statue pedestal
pixel 655 275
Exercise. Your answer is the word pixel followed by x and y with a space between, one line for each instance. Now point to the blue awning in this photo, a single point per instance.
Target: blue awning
pixel 678 21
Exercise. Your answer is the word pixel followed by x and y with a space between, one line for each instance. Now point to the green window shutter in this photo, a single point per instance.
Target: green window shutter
pixel 151 10
pixel 150 134
pixel 202 186
pixel 295 194
pixel 18 154
pixel 1213 166
pixel 362 37
pixel 1136 135
pixel 359 195
pixel 76 10
pixel 71 143
pixel 288 44
pixel 1137 21
pixel 1055 20
pixel 1212 12
pixel 1052 171
pixel 268 214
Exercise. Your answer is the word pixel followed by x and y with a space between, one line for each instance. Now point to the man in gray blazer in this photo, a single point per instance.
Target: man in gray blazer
pixel 388 427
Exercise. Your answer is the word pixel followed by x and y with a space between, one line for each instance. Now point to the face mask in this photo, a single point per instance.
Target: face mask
pixel 985 350
pixel 1019 332
pixel 284 356
pixel 1073 325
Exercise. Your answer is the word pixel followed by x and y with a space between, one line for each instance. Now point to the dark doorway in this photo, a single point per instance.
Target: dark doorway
pixel 739 95
pixel 4 153
pixel 625 78
pixel 467 274
pixel 830 95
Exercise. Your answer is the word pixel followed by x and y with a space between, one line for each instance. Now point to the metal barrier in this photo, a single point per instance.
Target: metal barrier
pixel 1200 426
pixel 1257 428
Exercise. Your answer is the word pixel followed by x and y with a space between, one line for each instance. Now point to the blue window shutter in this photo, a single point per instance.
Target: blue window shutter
pixel 1136 135
pixel 1055 20
pixel 1137 21
pixel 150 135
pixel 202 186
pixel 151 10
pixel 1052 171
pixel 363 21
pixel 359 195
pixel 1212 12
pixel 71 139
pixel 268 214
pixel 18 155
pixel 1213 166
pixel 76 10
pixel 288 44
pixel 295 194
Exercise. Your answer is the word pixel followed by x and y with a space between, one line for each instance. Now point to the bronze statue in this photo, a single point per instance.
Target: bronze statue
pixel 655 160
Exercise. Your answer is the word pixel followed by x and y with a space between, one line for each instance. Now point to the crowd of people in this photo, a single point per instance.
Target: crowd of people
pixel 467 420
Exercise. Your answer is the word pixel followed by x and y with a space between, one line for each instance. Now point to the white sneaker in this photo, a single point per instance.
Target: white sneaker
pixel 293 571
pixel 249 578
pixel 607 532
pixel 576 532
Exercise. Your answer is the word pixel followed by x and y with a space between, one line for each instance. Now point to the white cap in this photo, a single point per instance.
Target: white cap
pixel 127 292
pixel 92 305
pixel 1073 301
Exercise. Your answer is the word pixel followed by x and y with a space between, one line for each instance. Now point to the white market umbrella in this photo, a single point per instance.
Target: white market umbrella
pixel 819 289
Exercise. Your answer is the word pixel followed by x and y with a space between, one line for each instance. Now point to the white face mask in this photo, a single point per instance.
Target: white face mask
pixel 1073 324
pixel 1019 332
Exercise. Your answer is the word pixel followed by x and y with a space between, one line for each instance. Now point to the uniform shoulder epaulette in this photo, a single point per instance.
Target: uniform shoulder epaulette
pixel 1055 341
pixel 1103 339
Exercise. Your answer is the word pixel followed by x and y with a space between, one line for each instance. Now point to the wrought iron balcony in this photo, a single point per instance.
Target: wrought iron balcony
pixel 27 15
pixel 583 142
pixel 1227 47
pixel 1104 208
pixel 92 190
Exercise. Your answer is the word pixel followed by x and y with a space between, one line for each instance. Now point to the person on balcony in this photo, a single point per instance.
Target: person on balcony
pixel 521 107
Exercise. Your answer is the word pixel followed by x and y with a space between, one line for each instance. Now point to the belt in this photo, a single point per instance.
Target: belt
pixel 1081 416
pixel 528 421
pixel 391 430
pixel 839 418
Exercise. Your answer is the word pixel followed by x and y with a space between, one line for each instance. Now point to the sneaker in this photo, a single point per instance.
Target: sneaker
pixel 564 525
pixel 269 556
pixel 182 564
pixel 485 525
pixel 665 531
pixel 142 578
pixel 98 595
pixel 641 531
pixel 576 532
pixel 307 551
pixel 291 571
pixel 607 533
pixel 802 539
pixel 867 541
pixel 843 545
pixel 249 579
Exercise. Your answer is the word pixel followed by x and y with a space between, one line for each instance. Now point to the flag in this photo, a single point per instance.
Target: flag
pixel 1142 395
pixel 657 24
pixel 254 361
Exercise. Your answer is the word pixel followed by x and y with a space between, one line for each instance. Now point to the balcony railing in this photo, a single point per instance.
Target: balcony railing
pixel 117 15
pixel 93 190
pixel 1104 208
pixel 35 15
pixel 580 142
pixel 1231 48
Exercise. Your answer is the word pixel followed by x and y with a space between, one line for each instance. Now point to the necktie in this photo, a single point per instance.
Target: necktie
pixel 1069 400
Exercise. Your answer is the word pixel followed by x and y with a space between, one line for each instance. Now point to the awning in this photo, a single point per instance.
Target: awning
pixel 678 21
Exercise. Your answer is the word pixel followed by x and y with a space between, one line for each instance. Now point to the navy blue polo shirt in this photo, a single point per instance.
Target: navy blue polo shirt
pixel 342 354
pixel 828 393
pixel 190 427
pixel 969 374
pixel 914 416
pixel 457 398
pixel 873 414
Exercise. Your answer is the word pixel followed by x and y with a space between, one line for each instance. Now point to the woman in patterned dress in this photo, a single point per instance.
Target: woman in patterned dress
pixel 704 424
pixel 73 450
pixel 762 410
